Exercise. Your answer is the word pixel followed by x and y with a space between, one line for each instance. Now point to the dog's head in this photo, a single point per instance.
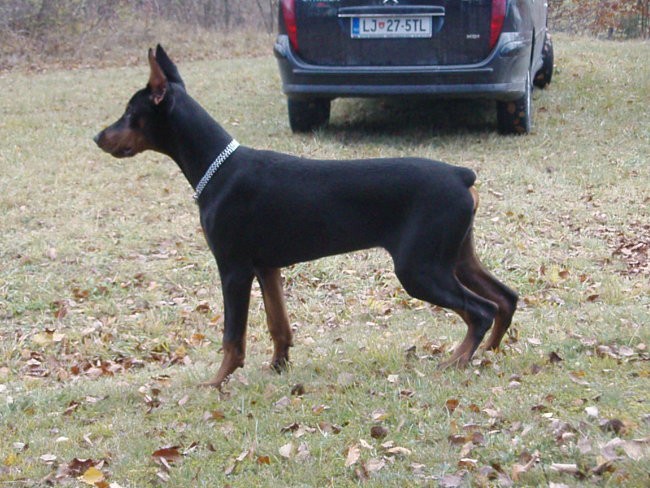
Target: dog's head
pixel 142 126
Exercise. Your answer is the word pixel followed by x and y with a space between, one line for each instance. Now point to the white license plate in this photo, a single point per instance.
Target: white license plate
pixel 383 27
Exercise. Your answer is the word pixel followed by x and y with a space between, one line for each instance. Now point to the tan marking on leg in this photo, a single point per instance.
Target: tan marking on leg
pixel 233 358
pixel 474 276
pixel 474 192
pixel 277 318
pixel 462 355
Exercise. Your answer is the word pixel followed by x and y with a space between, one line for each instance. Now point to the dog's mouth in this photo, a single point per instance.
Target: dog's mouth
pixel 126 152
pixel 114 147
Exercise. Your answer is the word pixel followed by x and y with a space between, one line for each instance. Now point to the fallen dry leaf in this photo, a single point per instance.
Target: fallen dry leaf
pixel 452 404
pixel 468 463
pixel 303 453
pixel 167 455
pixel 565 468
pixel 529 461
pixel 637 449
pixel 263 460
pixel 378 432
pixel 48 458
pixel 398 451
pixel 286 451
pixel 91 476
pixel 375 464
pixel 354 453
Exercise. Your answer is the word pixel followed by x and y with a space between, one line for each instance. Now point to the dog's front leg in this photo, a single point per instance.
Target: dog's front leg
pixel 236 284
pixel 276 315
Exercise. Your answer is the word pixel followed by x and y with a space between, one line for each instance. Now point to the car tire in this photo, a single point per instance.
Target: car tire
pixel 545 73
pixel 307 115
pixel 516 116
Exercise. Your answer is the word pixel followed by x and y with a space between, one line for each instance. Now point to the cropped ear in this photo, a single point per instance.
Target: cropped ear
pixel 157 80
pixel 168 66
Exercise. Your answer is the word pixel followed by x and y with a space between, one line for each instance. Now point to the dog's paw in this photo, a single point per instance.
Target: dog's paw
pixel 216 382
pixel 280 365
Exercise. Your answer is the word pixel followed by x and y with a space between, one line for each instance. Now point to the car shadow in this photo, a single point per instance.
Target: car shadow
pixel 409 117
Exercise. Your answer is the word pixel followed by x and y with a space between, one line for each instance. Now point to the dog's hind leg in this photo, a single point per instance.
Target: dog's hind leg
pixel 437 284
pixel 236 284
pixel 474 276
pixel 276 315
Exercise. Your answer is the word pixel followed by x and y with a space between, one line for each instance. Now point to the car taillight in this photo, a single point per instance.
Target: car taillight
pixel 289 15
pixel 496 22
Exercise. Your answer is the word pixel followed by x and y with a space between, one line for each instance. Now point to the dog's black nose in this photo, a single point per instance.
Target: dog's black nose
pixel 96 138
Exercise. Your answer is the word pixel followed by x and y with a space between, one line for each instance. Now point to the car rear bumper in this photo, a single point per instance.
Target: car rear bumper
pixel 502 76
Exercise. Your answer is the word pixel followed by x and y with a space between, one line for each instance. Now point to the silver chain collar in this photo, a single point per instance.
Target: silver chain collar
pixel 219 160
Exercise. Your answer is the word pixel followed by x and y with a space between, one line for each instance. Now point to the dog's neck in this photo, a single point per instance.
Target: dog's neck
pixel 193 139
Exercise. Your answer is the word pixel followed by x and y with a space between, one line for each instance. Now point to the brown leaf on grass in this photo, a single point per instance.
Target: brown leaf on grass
pixel 361 473
pixel 406 393
pixel 318 409
pixel 451 405
pixel 613 425
pixel 554 358
pixel 353 455
pixel 214 415
pixel 263 460
pixel 59 308
pixel 233 463
pixel 378 432
pixel 457 439
pixel 290 428
pixel 576 377
pixel 398 451
pixel 329 428
pixel 72 406
pixel 606 466
pixel 197 339
pixel 166 456
pixel 474 408
pixel 75 468
pixel 526 462
pixel 468 464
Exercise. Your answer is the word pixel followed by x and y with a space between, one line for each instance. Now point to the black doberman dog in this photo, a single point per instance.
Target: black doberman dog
pixel 265 210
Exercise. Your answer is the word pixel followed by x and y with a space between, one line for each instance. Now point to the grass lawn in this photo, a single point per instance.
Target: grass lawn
pixel 111 311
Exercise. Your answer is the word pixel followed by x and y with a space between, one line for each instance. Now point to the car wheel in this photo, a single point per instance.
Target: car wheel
pixel 545 73
pixel 307 115
pixel 515 117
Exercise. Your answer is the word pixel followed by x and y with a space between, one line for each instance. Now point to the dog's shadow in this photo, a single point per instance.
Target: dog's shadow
pixel 409 117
